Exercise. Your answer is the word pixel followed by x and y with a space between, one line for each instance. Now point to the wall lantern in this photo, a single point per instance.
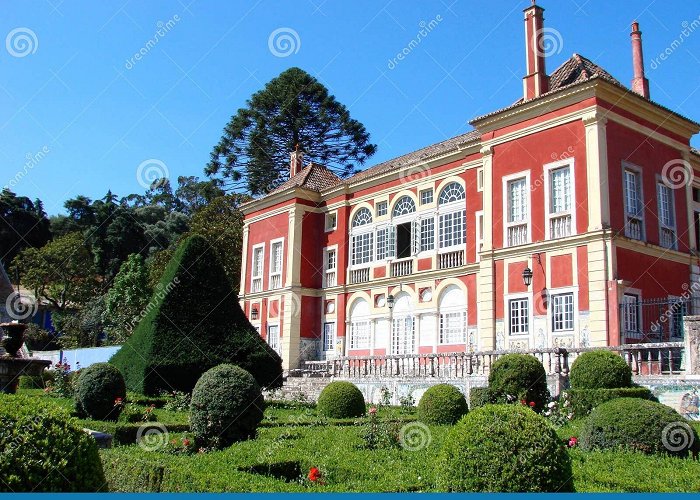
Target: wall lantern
pixel 527 276
pixel 254 313
pixel 390 301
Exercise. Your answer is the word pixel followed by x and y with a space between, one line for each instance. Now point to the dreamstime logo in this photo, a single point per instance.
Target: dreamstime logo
pixel 415 436
pixel 158 295
pixel 677 436
pixel 414 173
pixel 21 42
pixel 32 161
pixel 295 305
pixel 151 172
pixel 152 436
pixel 162 29
pixel 284 42
pixel 688 29
pixel 550 42
pixel 425 28
pixel 20 307
pixel 677 174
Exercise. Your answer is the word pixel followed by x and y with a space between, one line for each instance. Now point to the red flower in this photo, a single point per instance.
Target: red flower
pixel 117 401
pixel 523 402
pixel 185 442
pixel 572 442
pixel 372 411
pixel 532 404
pixel 314 474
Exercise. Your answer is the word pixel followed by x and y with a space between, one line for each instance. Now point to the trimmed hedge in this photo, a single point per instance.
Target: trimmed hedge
pixel 96 390
pixel 43 449
pixel 600 370
pixel 227 406
pixel 442 404
pixel 480 396
pixel 638 425
pixel 193 323
pixel 583 401
pixel 341 400
pixel 42 381
pixel 504 448
pixel 520 376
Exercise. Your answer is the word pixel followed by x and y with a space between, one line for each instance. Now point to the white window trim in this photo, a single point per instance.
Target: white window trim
pixel 253 276
pixel 638 293
pixel 525 174
pixel 547 195
pixel 279 337
pixel 638 170
pixel 326 251
pixel 328 228
pixel 351 333
pixel 531 316
pixel 672 209
pixel 452 310
pixel 323 335
pixel 427 216
pixel 478 229
pixel 272 256
pixel 550 309
pixel 357 231
pixel 449 208
pixel 420 196
pixel 480 179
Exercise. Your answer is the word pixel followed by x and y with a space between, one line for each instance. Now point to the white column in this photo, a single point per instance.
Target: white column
pixel 372 335
pixel 597 170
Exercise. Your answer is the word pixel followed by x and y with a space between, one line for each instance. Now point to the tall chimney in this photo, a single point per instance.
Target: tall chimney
pixel 536 81
pixel 296 161
pixel 640 84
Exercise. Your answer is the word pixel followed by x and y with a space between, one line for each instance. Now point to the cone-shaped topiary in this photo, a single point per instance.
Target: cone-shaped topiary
pixel 600 370
pixel 96 391
pixel 519 376
pixel 506 448
pixel 227 406
pixel 192 323
pixel 43 449
pixel 442 404
pixel 341 400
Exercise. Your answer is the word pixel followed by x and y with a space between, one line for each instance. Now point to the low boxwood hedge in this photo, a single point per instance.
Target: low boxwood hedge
pixel 442 404
pixel 583 401
pixel 341 400
pixel 480 396
pixel 600 370
pixel 519 376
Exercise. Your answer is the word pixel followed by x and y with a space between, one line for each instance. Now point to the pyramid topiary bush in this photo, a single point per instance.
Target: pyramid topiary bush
pixel 193 323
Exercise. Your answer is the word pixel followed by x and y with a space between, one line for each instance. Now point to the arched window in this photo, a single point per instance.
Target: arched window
pixel 451 193
pixel 405 205
pixel 453 316
pixel 359 325
pixel 403 339
pixel 362 217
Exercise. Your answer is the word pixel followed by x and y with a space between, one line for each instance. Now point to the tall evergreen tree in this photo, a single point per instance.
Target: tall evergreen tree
pixel 293 109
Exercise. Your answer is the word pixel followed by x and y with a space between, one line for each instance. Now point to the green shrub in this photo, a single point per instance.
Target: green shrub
pixel 600 370
pixel 479 396
pixel 519 376
pixel 506 448
pixel 227 406
pixel 96 391
pixel 442 404
pixel 638 425
pixel 190 326
pixel 584 400
pixel 43 449
pixel 42 381
pixel 341 400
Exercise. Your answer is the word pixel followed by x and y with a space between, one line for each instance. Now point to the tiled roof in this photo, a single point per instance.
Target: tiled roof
pixel 313 177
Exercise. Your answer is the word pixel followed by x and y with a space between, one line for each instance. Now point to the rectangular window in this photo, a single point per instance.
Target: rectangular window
pixel 362 248
pixel 427 234
pixel 426 196
pixel 359 335
pixel 634 206
pixel 402 335
pixel 331 221
pixel 273 337
pixel 329 337
pixel 479 234
pixel 452 228
pixel 257 269
pixel 560 202
pixel 275 265
pixel 382 243
pixel 517 212
pixel 667 222
pixel 563 312
pixel 630 316
pixel 519 316
pixel 480 179
pixel 453 328
pixel 404 238
pixel 382 208
pixel 331 267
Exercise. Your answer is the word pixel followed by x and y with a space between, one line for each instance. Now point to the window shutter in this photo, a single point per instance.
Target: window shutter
pixel 391 253
pixel 415 236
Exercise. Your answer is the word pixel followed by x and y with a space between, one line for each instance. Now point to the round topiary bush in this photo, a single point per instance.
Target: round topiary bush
pixel 96 391
pixel 504 448
pixel 519 376
pixel 600 370
pixel 227 406
pixel 341 400
pixel 442 404
pixel 639 425
pixel 43 449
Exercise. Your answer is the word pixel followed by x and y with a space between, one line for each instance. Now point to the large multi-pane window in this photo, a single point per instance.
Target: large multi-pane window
pixel 384 235
pixel 519 316
pixel 452 216
pixel 359 334
pixel 634 205
pixel 362 237
pixel 329 337
pixel 517 216
pixel 560 202
pixel 275 265
pixel 427 234
pixel 257 268
pixel 330 265
pixel 453 316
pixel 667 222
pixel 562 312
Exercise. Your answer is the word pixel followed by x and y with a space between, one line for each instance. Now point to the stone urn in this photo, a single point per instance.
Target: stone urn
pixel 12 364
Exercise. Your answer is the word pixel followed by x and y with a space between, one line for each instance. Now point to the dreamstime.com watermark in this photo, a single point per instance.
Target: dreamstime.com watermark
pixel 151 172
pixel 677 307
pixel 158 296
pixel 152 436
pixel 21 42
pixel 688 29
pixel 677 174
pixel 32 161
pixel 550 42
pixel 423 32
pixel 415 436
pixel 20 307
pixel 677 436
pixel 163 29
pixel 284 42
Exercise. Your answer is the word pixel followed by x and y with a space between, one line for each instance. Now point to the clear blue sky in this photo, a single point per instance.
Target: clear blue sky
pixel 99 117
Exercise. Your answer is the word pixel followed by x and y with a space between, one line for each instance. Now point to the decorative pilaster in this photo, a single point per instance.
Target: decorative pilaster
pixel 485 285
pixel 597 170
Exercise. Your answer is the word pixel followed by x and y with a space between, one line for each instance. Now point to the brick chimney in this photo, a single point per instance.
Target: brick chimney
pixel 640 84
pixel 536 81
pixel 296 161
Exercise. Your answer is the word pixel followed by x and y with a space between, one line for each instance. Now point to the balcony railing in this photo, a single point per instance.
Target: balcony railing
pixel 359 275
pixel 448 260
pixel 401 268
pixel 667 238
pixel 330 278
pixel 633 228
pixel 256 285
pixel 517 235
pixel 275 281
pixel 560 226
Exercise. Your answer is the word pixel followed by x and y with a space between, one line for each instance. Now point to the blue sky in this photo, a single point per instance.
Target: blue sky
pixel 69 91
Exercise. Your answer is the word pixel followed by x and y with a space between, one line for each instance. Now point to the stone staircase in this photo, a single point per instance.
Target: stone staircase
pixel 294 387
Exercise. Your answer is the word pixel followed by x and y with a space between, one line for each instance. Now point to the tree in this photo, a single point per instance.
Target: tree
pixel 126 299
pixel 23 224
pixel 193 194
pixel 293 109
pixel 83 327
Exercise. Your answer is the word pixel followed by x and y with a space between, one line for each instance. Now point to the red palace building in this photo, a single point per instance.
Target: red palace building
pixel 559 221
